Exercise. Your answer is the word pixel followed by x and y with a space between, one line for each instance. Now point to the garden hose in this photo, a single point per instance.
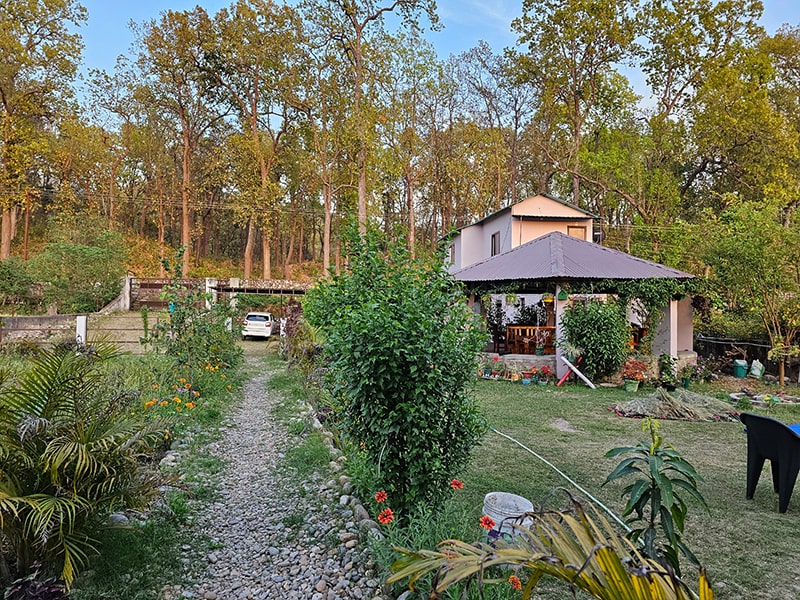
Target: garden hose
pixel 565 476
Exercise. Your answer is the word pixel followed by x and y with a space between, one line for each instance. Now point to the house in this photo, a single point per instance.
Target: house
pixel 522 255
pixel 515 225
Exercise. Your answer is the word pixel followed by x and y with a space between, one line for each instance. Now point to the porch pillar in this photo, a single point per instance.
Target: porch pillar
pixel 560 307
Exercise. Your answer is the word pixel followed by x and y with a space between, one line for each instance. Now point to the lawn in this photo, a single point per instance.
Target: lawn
pixel 749 549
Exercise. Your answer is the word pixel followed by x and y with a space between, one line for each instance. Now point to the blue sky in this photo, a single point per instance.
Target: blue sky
pixel 107 34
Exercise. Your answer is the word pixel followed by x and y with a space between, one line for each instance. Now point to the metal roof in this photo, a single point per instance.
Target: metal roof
pixel 559 257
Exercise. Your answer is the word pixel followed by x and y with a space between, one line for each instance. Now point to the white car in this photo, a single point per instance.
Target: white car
pixel 257 324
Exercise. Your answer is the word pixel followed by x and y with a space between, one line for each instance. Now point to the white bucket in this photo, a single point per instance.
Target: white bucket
pixel 505 510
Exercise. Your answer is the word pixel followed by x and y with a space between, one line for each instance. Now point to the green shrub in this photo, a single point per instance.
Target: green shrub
pixel 71 452
pixel 80 277
pixel 402 346
pixel 659 473
pixel 15 283
pixel 600 329
pixel 193 334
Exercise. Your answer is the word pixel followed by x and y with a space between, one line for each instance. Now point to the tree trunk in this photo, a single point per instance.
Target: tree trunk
pixel 412 224
pixel 8 229
pixel 326 229
pixel 266 251
pixel 248 249
pixel 186 219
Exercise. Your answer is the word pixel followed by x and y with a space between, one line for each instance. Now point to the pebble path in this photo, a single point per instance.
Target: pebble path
pixel 268 535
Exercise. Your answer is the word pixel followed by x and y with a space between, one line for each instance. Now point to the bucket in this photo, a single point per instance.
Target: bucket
pixel 505 509
pixel 740 368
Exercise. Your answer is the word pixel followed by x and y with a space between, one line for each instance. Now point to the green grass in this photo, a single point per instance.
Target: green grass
pixel 135 563
pixel 748 548
pixel 308 456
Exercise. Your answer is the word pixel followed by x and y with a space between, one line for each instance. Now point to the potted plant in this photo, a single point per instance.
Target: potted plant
pixel 540 337
pixel 633 372
pixel 686 373
pixel 667 370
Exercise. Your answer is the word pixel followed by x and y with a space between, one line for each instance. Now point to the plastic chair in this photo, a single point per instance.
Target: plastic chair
pixel 768 438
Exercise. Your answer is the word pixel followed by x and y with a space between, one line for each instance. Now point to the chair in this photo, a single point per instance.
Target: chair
pixel 768 438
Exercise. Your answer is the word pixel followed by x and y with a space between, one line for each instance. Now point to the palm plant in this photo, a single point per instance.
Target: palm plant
pixel 580 549
pixel 70 453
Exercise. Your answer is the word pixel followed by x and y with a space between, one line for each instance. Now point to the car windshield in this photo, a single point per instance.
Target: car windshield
pixel 257 318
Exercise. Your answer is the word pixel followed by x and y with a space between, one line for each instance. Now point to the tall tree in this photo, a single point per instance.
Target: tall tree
pixel 40 52
pixel 252 56
pixel 170 60
pixel 573 47
pixel 501 103
pixel 350 24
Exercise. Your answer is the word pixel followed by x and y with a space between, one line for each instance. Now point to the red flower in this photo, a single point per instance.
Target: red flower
pixel 515 582
pixel 380 496
pixel 386 516
pixel 456 484
pixel 487 522
pixel 495 358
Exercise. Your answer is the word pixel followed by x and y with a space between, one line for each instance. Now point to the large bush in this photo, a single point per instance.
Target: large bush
pixel 600 329
pixel 80 277
pixel 194 334
pixel 402 346
pixel 71 452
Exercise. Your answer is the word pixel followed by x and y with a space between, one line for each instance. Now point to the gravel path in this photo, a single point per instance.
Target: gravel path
pixel 268 534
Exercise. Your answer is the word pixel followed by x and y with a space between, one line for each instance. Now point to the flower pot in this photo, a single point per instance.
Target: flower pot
pixel 539 350
pixel 631 385
pixel 526 381
pixel 685 382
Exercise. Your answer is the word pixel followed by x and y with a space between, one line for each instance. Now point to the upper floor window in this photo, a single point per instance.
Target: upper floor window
pixel 495 244
pixel 577 231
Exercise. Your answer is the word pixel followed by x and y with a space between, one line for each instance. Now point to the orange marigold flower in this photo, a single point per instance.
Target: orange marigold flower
pixel 515 582
pixel 457 484
pixel 190 405
pixel 188 386
pixel 149 404
pixel 182 380
pixel 229 388
pixel 195 392
pixel 380 496
pixel 179 408
pixel 386 516
pixel 163 403
pixel 176 400
pixel 487 522
pixel 154 386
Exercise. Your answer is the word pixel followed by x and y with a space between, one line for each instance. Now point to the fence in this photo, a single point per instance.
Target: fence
pixel 748 350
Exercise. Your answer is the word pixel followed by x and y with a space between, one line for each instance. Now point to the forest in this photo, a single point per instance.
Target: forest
pixel 251 137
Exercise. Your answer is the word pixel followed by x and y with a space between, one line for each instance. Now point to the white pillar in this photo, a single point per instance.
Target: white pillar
pixel 80 328
pixel 560 307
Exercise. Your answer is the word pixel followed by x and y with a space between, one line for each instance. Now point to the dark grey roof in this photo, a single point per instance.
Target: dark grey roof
pixel 559 257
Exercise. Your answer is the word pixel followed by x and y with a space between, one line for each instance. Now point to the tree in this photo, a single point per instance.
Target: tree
pixel 82 270
pixel 40 55
pixel 349 24
pixel 754 270
pixel 251 54
pixel 572 49
pixel 170 60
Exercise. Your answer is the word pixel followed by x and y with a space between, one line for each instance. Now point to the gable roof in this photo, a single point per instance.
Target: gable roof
pixel 559 257
pixel 512 209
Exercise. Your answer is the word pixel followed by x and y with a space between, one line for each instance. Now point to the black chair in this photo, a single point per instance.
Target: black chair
pixel 768 438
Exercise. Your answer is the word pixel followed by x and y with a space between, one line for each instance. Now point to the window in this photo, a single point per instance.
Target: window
pixel 452 253
pixel 576 231
pixel 495 244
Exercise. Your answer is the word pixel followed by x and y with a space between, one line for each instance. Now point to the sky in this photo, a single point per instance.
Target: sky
pixel 466 22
